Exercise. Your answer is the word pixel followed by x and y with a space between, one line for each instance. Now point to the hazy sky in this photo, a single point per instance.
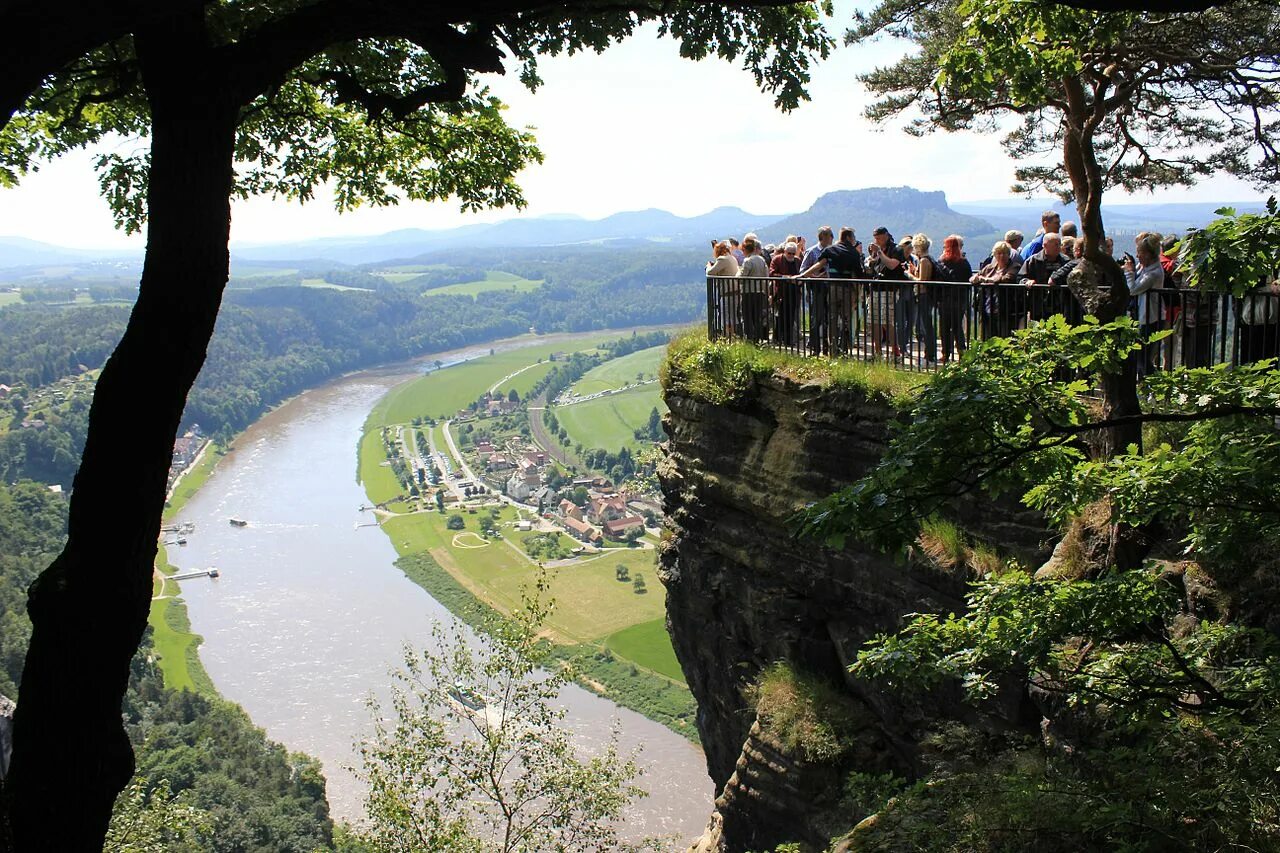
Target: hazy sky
pixel 634 128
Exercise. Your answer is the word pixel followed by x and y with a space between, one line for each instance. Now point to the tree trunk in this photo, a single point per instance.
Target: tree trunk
pixel 1099 284
pixel 89 608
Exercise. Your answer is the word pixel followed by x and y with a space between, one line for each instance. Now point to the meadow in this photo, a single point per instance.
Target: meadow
pixel 443 392
pixel 609 422
pixel 493 280
pixel 621 371
pixel 591 603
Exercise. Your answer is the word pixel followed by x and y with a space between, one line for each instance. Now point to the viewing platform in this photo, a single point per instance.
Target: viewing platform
pixel 922 325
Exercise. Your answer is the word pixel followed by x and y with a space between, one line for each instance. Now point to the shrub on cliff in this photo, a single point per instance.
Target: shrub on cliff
pixel 1150 650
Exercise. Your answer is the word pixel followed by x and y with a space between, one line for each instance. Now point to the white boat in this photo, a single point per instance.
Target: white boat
pixel 476 706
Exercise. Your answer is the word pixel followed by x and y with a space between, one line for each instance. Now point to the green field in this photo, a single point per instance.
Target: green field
pixel 610 422
pixel 527 379
pixel 621 371
pixel 379 480
pixel 176 647
pixel 493 280
pixel 10 299
pixel 443 392
pixel 649 645
pixel 591 604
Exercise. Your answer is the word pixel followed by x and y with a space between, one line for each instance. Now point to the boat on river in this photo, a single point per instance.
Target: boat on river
pixel 238 522
pixel 476 706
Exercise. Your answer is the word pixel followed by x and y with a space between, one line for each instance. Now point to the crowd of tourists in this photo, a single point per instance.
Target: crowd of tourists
pixel 904 300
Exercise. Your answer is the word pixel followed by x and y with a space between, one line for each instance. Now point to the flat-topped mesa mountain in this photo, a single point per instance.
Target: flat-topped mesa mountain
pixel 746 598
pixel 903 210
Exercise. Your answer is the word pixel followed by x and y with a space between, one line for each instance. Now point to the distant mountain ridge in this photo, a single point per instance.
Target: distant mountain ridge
pixel 903 210
pixel 638 225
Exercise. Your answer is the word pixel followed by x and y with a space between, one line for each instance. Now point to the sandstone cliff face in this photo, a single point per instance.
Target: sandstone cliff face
pixel 743 593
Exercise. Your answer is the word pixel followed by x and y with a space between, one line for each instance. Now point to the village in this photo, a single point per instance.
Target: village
pixel 483 457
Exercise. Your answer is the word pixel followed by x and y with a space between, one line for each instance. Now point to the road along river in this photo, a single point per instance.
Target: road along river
pixel 310 613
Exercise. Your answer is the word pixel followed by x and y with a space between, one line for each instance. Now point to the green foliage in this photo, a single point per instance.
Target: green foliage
pixel 1155 98
pixel 1235 252
pixel 1003 415
pixel 33 524
pixel 456 522
pixel 401 115
pixel 1168 717
pixel 144 821
pixel 253 795
pixel 447 777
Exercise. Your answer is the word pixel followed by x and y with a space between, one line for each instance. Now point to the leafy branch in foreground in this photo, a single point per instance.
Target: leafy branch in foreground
pixel 474 757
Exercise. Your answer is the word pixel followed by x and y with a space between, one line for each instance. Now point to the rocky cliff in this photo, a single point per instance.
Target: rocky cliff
pixel 743 593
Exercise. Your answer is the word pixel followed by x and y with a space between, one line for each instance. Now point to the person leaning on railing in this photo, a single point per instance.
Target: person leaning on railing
pixel 888 269
pixel 1259 316
pixel 725 265
pixel 923 270
pixel 952 300
pixel 1145 279
pixel 1062 300
pixel 840 260
pixel 784 295
pixel 1037 269
pixel 752 297
pixel 987 297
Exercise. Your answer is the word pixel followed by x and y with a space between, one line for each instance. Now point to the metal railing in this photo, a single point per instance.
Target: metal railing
pixel 920 325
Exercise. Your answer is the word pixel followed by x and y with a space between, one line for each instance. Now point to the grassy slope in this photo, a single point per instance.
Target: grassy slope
pixel 10 299
pixel 618 372
pixel 379 482
pixel 177 647
pixel 609 422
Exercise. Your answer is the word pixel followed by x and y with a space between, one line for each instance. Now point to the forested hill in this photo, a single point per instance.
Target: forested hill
pixel 249 795
pixel 273 342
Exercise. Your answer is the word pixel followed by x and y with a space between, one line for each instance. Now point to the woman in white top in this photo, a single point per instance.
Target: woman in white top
pixel 725 263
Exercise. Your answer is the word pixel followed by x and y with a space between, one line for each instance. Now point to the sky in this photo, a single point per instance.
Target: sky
pixel 636 127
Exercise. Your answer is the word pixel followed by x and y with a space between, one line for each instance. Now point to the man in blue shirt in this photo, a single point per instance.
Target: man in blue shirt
pixel 1051 221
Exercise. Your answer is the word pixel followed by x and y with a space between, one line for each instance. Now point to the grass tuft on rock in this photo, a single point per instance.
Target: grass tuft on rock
pixel 723 372
pixel 804 714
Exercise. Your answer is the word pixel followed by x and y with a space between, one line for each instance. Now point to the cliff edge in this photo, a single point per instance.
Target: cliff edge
pixel 749 445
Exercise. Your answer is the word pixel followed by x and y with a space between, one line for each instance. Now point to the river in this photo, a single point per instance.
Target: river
pixel 310 613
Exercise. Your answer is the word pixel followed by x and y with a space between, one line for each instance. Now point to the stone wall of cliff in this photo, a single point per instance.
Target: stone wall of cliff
pixel 743 593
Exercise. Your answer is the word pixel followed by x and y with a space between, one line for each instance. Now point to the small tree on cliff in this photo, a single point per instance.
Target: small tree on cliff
pixel 447 773
pixel 379 98
pixel 1131 99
